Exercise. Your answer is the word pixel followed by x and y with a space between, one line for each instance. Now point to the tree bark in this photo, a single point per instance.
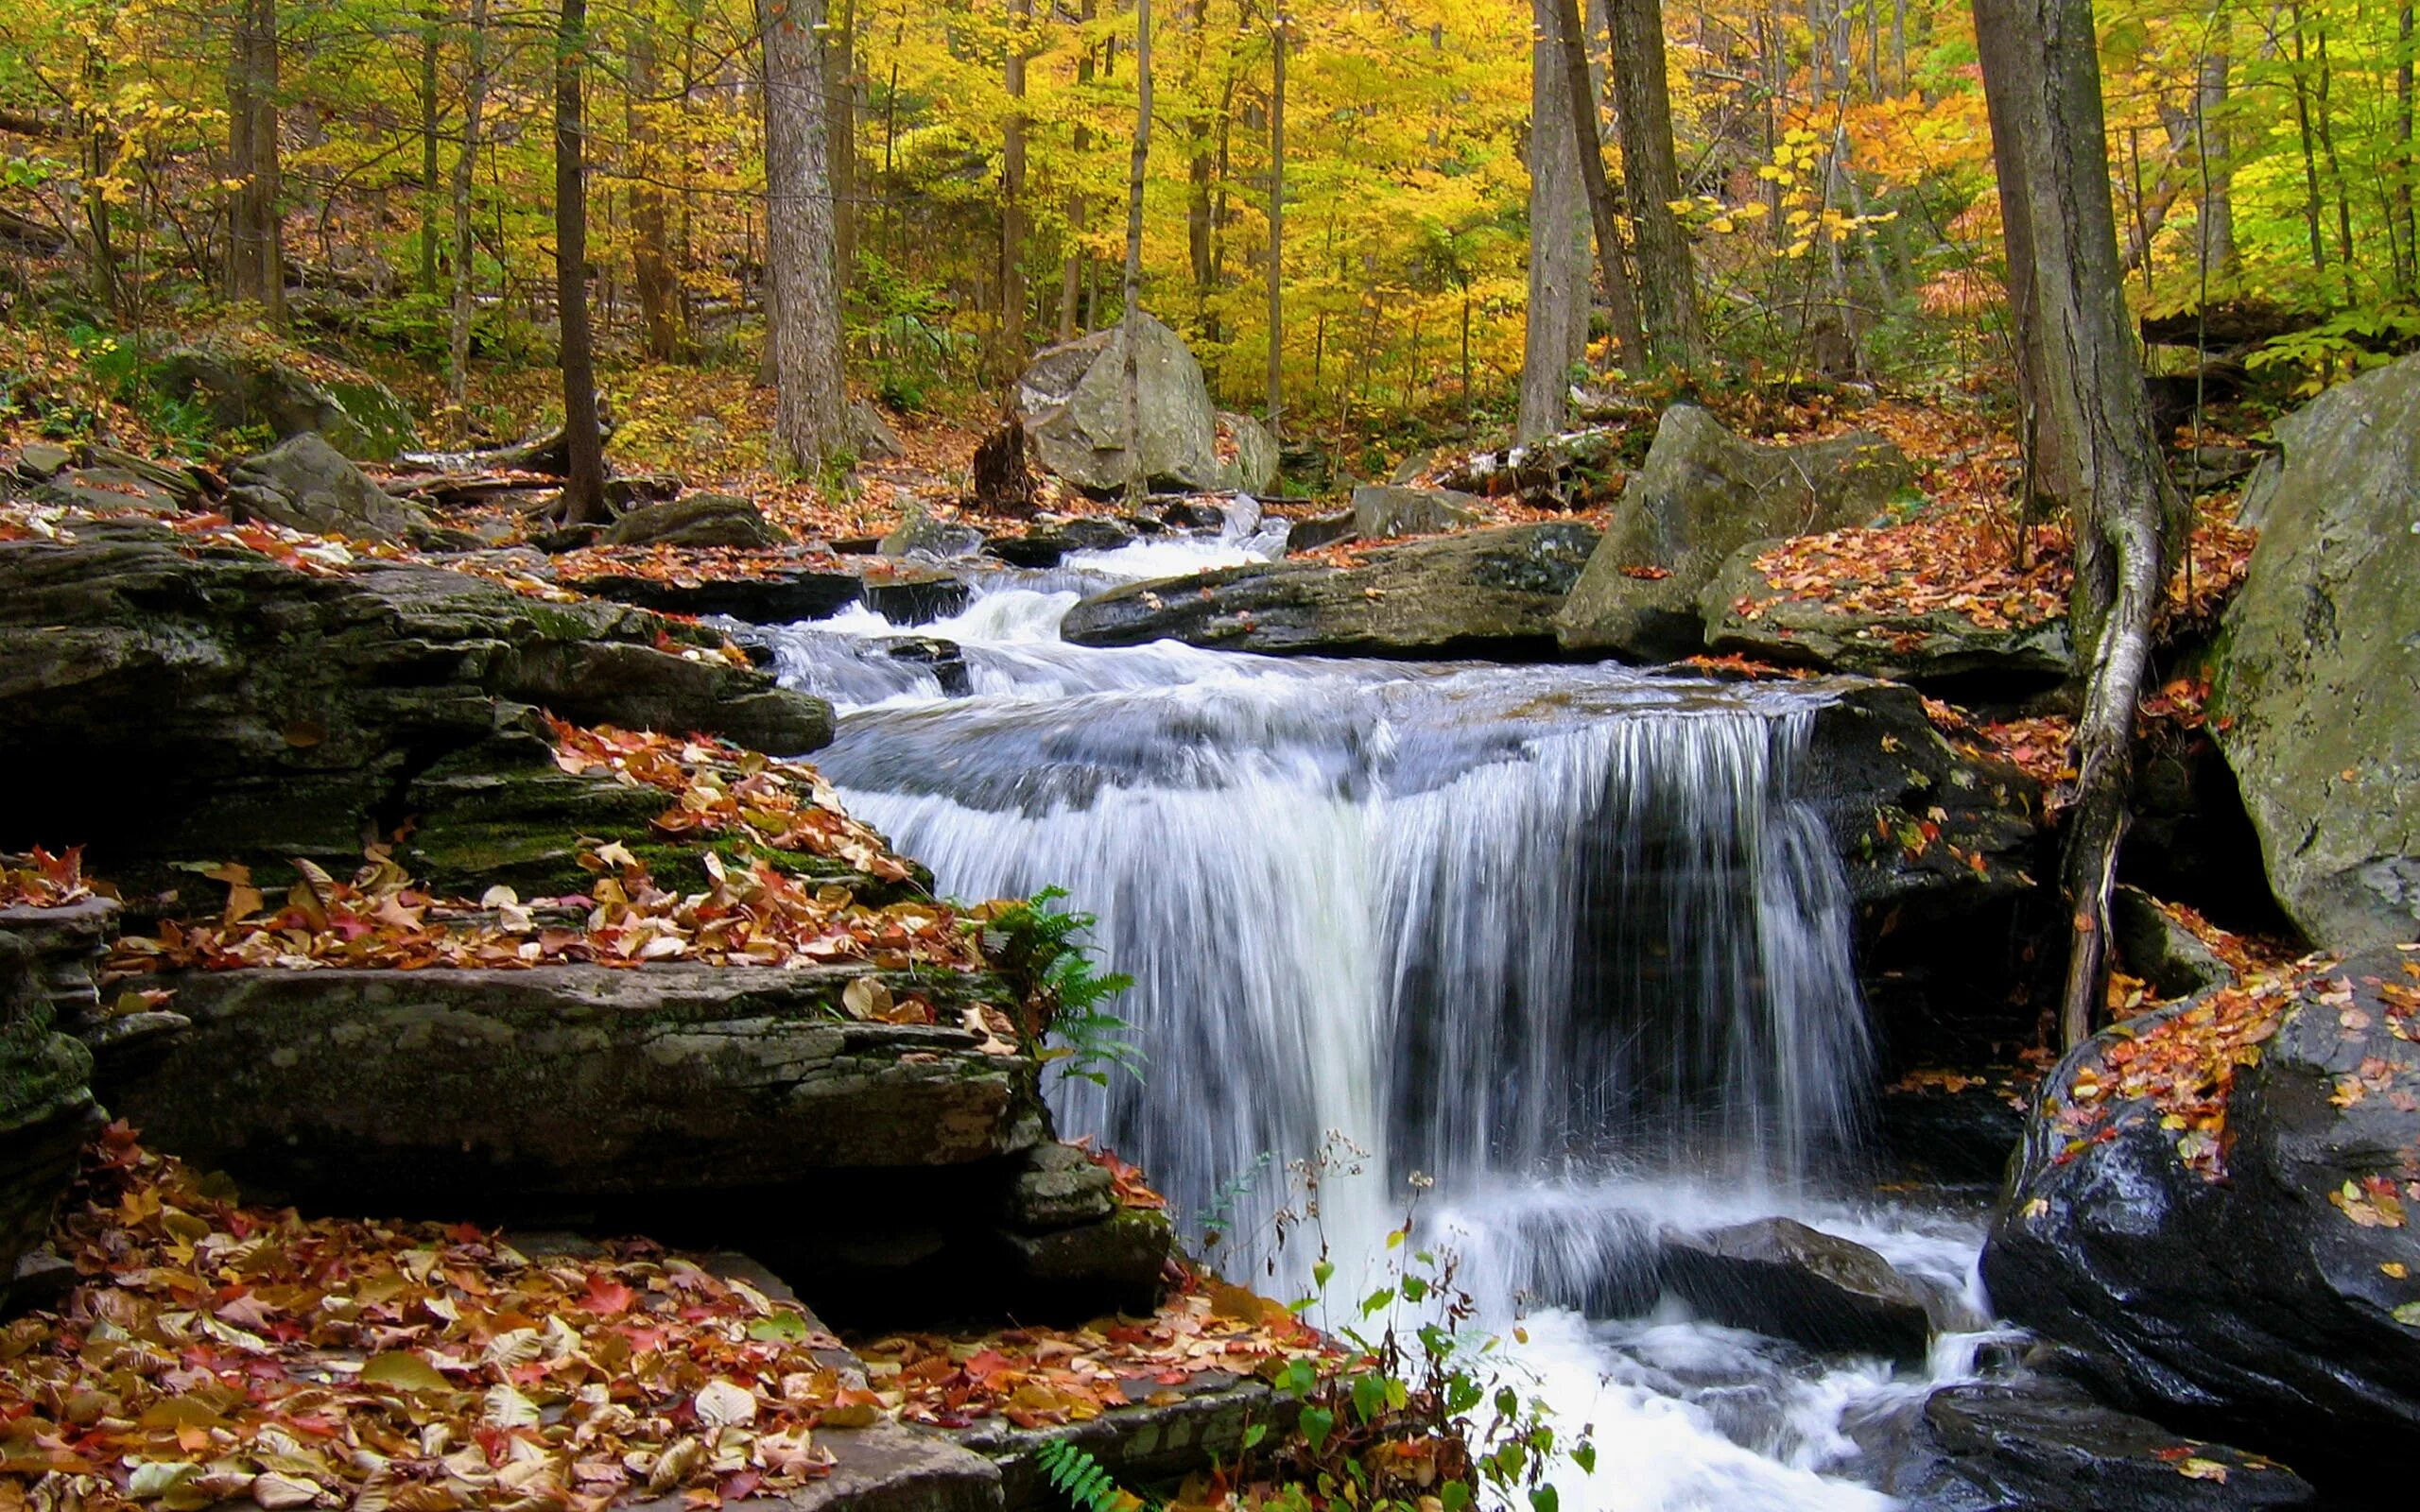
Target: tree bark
pixel 840 83
pixel 583 496
pixel 1136 482
pixel 1010 349
pixel 1667 272
pixel 2042 81
pixel 2211 151
pixel 255 266
pixel 1071 269
pixel 1277 50
pixel 432 39
pixel 1557 334
pixel 804 314
pixel 466 283
pixel 2403 187
pixel 650 251
pixel 1621 293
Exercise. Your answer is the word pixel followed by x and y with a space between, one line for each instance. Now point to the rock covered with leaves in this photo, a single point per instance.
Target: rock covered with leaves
pixel 2216 1202
pixel 1702 495
pixel 255 700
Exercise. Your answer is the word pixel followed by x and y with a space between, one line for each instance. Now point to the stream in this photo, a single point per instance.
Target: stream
pixel 1551 961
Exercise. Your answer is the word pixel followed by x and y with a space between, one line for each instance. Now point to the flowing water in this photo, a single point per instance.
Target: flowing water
pixel 1552 959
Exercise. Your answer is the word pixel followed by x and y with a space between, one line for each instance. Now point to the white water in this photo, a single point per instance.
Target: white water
pixel 1559 939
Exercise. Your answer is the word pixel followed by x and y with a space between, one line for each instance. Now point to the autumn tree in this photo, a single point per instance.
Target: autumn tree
pixel 810 411
pixel 255 261
pixel 584 497
pixel 1580 96
pixel 1643 115
pixel 2084 383
pixel 1130 339
pixel 466 163
pixel 1557 333
pixel 1277 47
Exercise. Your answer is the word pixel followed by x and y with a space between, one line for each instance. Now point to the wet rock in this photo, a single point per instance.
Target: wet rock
pixel 1071 401
pixel 46 1111
pixel 217 706
pixel 925 536
pixel 37 460
pixel 2317 663
pixel 1951 1129
pixel 945 659
pixel 1745 613
pixel 1702 495
pixel 2269 1308
pixel 1779 1277
pixel 1484 592
pixel 2040 1445
pixel 305 484
pixel 260 386
pixel 697 519
pixel 1046 545
pixel 781 597
pixel 450 1090
pixel 1141 1444
pixel 1382 511
pixel 1315 531
pixel 2159 950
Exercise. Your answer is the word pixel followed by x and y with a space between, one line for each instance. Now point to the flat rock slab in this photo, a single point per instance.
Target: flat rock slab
pixel 471 1088
pixel 1488 592
pixel 1140 1445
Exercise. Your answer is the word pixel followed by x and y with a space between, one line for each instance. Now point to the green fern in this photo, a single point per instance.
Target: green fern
pixel 1039 946
pixel 1084 1481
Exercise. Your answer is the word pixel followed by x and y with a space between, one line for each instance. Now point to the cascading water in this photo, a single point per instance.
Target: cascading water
pixel 1561 939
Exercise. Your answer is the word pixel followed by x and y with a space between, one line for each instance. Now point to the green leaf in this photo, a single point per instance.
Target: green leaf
pixel 1253 1434
pixel 1584 1455
pixel 781 1328
pixel 1316 1424
pixel 1369 1395
pixel 1542 1498
pixel 1377 1302
pixel 1320 1272
pixel 1455 1494
pixel 2409 1314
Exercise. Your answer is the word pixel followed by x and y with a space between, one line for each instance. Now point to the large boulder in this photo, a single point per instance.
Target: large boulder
pixel 45 1104
pixel 1779 1277
pixel 2319 658
pixel 2258 1279
pixel 259 386
pixel 214 705
pixel 696 520
pixel 1253 468
pixel 1071 401
pixel 1489 592
pixel 1702 495
pixel 307 484
pixel 2040 1445
pixel 1747 613
pixel 1382 511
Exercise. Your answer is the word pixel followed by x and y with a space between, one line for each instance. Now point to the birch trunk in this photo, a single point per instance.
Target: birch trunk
pixel 803 310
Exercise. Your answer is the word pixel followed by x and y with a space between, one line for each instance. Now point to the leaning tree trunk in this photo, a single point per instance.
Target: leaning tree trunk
pixel 809 409
pixel 584 497
pixel 1557 333
pixel 1131 343
pixel 2042 79
pixel 1667 282
pixel 1580 95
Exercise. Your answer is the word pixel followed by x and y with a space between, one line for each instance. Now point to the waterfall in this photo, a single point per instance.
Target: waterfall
pixel 1562 942
pixel 1478 922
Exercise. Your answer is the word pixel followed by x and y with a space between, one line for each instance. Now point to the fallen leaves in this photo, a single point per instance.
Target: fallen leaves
pixel 216 1352
pixel 42 880
pixel 1040 1378
pixel 2183 1064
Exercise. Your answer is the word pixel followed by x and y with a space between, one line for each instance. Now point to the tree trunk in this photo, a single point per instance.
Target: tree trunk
pixel 1136 163
pixel 1667 273
pixel 2404 160
pixel 650 254
pixel 583 496
pixel 1277 50
pixel 2042 81
pixel 256 268
pixel 2217 230
pixel 2050 480
pixel 1071 269
pixel 432 39
pixel 841 101
pixel 804 307
pixel 466 283
pixel 1621 293
pixel 1197 175
pixel 1009 352
pixel 1557 334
